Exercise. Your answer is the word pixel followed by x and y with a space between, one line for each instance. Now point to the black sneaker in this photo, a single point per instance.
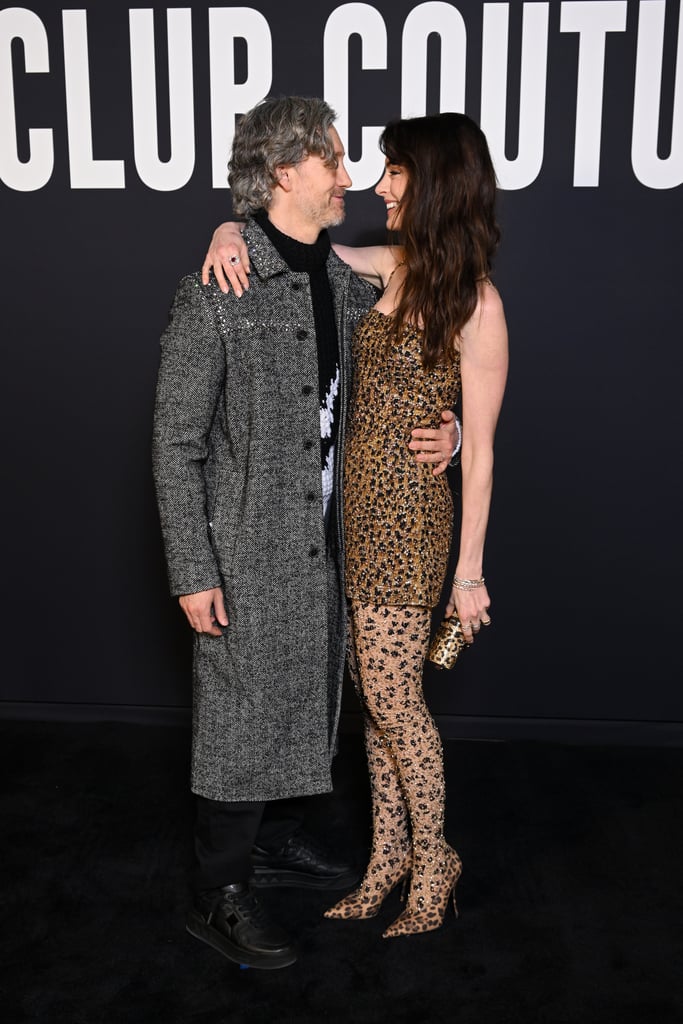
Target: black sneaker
pixel 301 862
pixel 232 920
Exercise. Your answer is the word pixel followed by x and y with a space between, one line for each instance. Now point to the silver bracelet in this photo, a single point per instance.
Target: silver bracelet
pixel 455 457
pixel 459 584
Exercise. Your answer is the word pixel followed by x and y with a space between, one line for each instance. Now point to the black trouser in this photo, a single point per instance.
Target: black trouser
pixel 226 831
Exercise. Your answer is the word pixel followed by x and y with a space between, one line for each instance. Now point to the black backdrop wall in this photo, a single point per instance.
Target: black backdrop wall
pixel 115 126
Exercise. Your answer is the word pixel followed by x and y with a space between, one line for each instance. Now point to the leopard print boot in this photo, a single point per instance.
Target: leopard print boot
pixel 391 644
pixel 391 853
pixel 435 876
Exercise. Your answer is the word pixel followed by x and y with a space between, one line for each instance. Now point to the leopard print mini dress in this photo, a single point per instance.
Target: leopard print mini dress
pixel 398 516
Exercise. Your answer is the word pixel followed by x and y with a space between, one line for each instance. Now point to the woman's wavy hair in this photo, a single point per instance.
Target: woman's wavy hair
pixel 276 132
pixel 448 227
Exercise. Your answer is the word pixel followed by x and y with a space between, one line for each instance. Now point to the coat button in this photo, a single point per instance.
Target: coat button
pixel 306 389
pixel 296 286
pixel 301 335
pixel 313 551
pixel 308 444
pixel 310 496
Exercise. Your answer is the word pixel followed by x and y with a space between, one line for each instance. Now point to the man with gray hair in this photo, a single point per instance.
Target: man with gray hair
pixel 248 442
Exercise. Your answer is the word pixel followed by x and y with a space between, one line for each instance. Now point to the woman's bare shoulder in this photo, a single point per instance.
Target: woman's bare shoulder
pixel 489 296
pixel 490 309
pixel 487 325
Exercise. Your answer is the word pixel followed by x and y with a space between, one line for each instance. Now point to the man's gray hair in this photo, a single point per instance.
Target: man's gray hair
pixel 276 133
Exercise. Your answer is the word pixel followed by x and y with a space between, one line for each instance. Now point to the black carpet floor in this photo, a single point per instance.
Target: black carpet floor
pixel 571 903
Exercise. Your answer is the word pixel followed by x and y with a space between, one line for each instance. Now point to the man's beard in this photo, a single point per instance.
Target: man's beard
pixel 326 216
pixel 336 218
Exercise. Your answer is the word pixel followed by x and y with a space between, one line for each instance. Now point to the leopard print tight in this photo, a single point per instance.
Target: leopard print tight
pixel 387 649
pixel 389 645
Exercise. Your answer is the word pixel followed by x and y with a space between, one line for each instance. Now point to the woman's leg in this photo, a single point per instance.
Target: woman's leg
pixel 391 645
pixel 390 856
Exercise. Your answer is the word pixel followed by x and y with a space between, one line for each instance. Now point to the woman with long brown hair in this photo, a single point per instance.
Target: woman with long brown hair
pixel 437 333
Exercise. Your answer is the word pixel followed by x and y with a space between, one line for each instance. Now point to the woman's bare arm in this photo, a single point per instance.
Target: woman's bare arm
pixel 227 256
pixel 373 263
pixel 483 367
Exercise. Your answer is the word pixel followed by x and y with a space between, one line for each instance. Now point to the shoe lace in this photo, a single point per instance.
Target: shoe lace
pixel 250 908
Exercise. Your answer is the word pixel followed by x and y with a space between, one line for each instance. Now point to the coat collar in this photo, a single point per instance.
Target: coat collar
pixel 338 272
pixel 264 257
pixel 267 261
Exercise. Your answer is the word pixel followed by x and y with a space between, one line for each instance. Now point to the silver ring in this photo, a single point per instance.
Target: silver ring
pixel 486 622
pixel 467 625
pixel 234 260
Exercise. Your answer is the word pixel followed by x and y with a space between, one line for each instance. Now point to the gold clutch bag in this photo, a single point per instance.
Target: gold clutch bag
pixel 447 644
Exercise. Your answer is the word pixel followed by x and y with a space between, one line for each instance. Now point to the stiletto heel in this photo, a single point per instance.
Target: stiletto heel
pixel 433 885
pixel 380 878
pixel 391 853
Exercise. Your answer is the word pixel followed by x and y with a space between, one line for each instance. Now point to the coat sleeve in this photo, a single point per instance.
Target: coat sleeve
pixel 189 385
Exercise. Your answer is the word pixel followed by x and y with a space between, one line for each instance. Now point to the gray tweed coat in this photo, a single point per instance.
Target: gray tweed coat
pixel 236 460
